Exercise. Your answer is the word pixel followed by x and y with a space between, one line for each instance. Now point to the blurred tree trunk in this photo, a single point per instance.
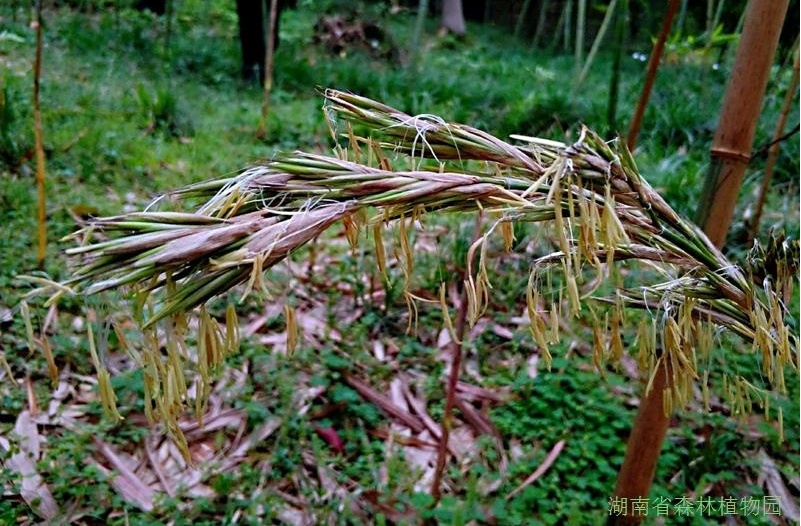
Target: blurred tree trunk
pixel 731 147
pixel 621 23
pixel 541 22
pixel 253 35
pixel 521 18
pixel 584 69
pixel 268 71
pixel 417 37
pixel 157 7
pixel 568 12
pixel 252 38
pixel 453 17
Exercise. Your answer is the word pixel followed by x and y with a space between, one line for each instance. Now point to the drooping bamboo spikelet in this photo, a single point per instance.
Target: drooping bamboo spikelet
pixel 107 397
pixel 590 192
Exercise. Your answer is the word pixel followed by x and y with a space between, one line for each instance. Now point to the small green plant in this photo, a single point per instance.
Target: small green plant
pixel 163 111
pixel 15 140
pixel 702 49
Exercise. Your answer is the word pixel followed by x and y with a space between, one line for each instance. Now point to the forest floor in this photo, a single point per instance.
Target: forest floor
pixel 343 430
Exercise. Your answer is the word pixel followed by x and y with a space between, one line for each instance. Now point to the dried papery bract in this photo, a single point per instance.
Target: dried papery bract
pixel 477 287
pixel 536 318
pixel 602 211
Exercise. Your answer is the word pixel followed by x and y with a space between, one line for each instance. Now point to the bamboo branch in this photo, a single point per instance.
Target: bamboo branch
pixel 541 23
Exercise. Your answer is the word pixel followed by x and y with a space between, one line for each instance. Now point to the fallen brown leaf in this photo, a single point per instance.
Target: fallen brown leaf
pixel 34 491
pixel 770 475
pixel 125 481
pixel 384 403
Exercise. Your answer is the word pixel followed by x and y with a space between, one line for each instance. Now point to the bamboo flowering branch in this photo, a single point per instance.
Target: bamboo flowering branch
pixel 601 210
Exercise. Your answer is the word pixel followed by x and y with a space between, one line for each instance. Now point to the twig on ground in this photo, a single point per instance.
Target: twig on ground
pixel 541 469
pixel 455 349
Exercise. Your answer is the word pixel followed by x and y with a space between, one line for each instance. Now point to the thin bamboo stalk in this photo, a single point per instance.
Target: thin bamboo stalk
pixel 521 18
pixel 456 352
pixel 650 75
pixel 568 29
pixel 543 14
pixel 614 81
pixel 168 14
pixel 268 71
pixel 682 17
pixel 39 143
pixel 773 151
pixel 581 20
pixel 417 35
pixel 610 12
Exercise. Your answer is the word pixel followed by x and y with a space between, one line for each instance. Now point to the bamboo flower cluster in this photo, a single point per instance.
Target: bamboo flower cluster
pixel 591 192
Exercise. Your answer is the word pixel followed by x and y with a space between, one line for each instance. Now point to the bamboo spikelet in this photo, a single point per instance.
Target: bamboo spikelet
pixel 107 397
pixel 380 254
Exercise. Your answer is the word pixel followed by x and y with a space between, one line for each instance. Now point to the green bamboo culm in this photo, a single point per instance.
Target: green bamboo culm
pixel 394 167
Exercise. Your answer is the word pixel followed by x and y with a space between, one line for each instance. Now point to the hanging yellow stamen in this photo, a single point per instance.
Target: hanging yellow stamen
pixel 292 330
pixel 108 398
